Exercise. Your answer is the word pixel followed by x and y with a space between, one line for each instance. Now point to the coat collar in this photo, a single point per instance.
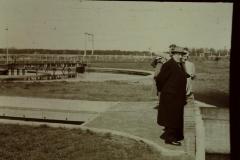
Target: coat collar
pixel 173 61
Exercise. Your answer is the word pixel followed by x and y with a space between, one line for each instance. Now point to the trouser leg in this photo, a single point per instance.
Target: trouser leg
pixel 173 134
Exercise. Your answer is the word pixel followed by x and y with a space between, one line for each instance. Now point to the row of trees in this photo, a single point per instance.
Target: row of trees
pixel 193 52
pixel 209 52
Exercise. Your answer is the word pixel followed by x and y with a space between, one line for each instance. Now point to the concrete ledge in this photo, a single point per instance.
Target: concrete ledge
pixel 190 130
pixel 194 132
pixel 202 104
pixel 215 113
pixel 217 130
pixel 200 135
pixel 206 130
pixel 118 70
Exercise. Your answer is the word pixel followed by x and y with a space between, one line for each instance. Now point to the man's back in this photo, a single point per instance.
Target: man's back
pixel 171 78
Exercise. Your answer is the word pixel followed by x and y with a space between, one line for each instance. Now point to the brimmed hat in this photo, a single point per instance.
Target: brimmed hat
pixel 176 49
pixel 186 50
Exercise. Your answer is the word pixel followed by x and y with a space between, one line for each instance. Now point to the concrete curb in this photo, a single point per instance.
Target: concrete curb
pixel 98 114
pixel 202 104
pixel 163 151
pixel 121 70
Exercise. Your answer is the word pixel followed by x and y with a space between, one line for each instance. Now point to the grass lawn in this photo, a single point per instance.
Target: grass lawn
pixel 212 82
pixel 19 142
pixel 96 91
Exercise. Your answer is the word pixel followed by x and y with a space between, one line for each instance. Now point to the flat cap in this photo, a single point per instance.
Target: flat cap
pixel 176 49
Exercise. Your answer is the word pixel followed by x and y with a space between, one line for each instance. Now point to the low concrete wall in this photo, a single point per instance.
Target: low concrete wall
pixel 189 130
pixel 217 129
pixel 206 130
pixel 194 134
pixel 200 135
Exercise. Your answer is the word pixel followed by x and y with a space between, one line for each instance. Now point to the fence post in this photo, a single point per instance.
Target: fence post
pixel 12 71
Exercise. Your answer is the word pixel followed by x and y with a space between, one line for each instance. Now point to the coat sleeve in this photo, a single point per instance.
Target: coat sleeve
pixel 154 63
pixel 157 69
pixel 162 77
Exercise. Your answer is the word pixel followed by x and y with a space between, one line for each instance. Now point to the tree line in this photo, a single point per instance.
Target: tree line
pixel 193 52
pixel 209 52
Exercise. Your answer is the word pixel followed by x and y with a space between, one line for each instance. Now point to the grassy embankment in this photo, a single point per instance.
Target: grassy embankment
pixel 20 142
pixel 212 82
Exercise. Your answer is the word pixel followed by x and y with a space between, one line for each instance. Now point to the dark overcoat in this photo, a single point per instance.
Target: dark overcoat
pixel 171 83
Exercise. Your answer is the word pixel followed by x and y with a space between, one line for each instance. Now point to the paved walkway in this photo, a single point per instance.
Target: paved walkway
pixel 54 109
pixel 135 118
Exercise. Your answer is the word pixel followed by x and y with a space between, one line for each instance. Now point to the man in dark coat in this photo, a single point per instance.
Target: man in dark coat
pixel 171 83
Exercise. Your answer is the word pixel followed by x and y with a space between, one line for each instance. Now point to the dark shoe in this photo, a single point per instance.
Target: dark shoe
pixel 176 143
pixel 163 136
pixel 180 138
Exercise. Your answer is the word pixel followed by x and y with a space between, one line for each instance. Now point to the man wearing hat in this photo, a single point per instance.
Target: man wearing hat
pixel 171 83
pixel 190 70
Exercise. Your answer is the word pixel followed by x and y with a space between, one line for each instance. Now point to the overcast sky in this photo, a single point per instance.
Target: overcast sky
pixel 61 24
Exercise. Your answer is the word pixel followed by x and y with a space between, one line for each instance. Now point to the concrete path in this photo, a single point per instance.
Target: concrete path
pixel 54 109
pixel 134 118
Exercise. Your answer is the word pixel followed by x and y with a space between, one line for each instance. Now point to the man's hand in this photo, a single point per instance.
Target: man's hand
pixel 187 75
pixel 193 76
